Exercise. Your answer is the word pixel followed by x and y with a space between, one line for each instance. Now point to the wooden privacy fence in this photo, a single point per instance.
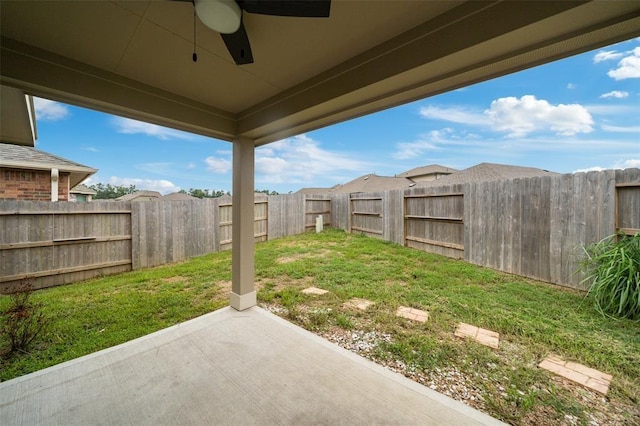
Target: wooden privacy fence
pixel 533 227
pixel 59 243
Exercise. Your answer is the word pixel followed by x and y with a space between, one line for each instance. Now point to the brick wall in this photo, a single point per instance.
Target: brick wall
pixel 19 184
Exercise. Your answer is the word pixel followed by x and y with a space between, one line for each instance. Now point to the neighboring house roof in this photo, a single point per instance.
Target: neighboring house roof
pixel 373 183
pixel 141 196
pixel 26 157
pixel 487 172
pixel 178 196
pixel 316 191
pixel 427 170
pixel 81 189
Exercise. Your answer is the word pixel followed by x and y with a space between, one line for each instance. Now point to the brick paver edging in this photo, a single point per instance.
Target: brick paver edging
pixel 578 373
pixel 480 335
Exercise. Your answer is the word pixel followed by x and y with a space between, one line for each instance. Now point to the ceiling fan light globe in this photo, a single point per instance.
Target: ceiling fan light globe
pixel 223 16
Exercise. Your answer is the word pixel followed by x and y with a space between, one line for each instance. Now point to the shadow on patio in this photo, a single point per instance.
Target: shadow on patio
pixel 226 367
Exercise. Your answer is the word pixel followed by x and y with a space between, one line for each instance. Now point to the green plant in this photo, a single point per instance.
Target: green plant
pixel 344 322
pixel 612 268
pixel 23 320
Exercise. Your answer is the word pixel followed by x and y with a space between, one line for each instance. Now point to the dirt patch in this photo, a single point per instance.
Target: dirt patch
pixel 175 279
pixel 224 285
pixel 300 256
pixel 289 259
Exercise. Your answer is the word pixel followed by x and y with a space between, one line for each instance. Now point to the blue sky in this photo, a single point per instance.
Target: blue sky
pixel 577 114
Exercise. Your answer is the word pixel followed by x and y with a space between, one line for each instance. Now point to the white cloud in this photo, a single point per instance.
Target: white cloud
pixel 520 117
pixel 132 127
pixel 454 115
pixel 47 110
pixel 607 55
pixel 590 169
pixel 618 94
pixel 301 159
pixel 621 129
pixel 191 166
pixel 571 86
pixel 161 185
pixel 408 150
pixel 628 67
pixel 426 143
pixel 622 164
pixel 218 165
pixel 628 164
pixel 517 117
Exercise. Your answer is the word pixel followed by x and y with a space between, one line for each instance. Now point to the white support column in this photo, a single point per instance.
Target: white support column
pixel 55 176
pixel 243 294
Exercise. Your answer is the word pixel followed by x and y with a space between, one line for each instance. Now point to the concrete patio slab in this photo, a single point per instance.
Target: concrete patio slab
pixel 226 367
pixel 578 373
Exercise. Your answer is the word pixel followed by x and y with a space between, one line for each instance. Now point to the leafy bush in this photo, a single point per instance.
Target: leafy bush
pixel 613 271
pixel 23 320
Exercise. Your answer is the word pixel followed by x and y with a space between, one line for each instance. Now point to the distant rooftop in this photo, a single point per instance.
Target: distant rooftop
pixel 315 191
pixel 487 172
pixel 447 176
pixel 367 183
pixel 141 196
pixel 427 170
pixel 374 183
pixel 81 189
pixel 178 196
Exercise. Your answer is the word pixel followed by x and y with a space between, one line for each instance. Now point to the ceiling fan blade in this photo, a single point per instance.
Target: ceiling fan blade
pixel 301 8
pixel 238 46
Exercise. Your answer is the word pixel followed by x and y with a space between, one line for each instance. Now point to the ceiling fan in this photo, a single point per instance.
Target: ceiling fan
pixel 225 17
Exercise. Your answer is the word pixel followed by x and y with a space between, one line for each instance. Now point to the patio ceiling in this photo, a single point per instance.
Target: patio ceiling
pixel 133 58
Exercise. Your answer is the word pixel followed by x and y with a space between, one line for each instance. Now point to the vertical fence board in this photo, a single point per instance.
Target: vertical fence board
pixel 340 213
pixel 393 216
pixel 627 200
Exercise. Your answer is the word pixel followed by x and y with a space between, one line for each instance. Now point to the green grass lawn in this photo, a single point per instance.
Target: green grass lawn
pixel 534 320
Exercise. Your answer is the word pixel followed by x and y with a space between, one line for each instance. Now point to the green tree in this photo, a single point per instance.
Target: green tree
pixel 205 193
pixel 266 191
pixel 109 192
